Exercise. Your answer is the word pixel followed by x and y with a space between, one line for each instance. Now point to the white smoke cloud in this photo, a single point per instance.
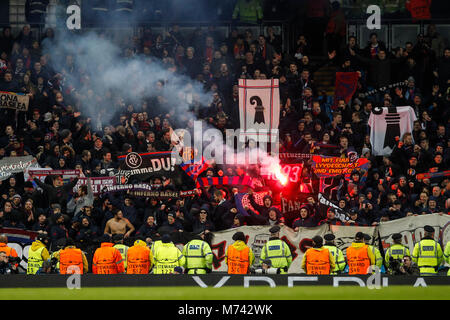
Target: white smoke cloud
pixel 105 70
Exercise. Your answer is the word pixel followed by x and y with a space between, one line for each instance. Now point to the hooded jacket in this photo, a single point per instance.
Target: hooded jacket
pixel 37 245
pixel 239 246
pixel 198 227
pixel 147 231
pixel 85 262
pixel 262 209
pixel 308 222
pixel 257 219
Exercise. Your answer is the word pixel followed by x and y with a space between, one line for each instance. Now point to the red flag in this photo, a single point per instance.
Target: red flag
pixel 346 83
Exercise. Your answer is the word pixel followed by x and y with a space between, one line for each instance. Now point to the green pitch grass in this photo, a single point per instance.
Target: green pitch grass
pixel 229 293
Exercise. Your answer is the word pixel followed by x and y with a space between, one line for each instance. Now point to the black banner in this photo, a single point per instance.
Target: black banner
pixel 147 165
pixel 163 194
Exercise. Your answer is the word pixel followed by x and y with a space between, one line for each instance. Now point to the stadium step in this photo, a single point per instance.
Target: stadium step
pixel 324 79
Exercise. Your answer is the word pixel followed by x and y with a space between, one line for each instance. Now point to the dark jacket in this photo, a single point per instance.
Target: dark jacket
pixel 199 227
pixel 147 231
pixel 262 209
pixel 57 194
pixel 379 71
pixel 312 220
pixel 308 222
pixel 57 232
pixel 129 212
pixel 219 214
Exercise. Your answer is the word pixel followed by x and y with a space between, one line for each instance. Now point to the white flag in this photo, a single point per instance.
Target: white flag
pixel 259 108
pixel 388 123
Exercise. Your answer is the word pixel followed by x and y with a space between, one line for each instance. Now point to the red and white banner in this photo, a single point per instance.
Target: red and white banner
pixel 259 109
pixel 41 173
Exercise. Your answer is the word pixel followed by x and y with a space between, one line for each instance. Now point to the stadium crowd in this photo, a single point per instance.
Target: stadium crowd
pixel 61 133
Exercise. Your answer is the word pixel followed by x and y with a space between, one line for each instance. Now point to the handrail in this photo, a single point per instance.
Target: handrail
pixel 181 23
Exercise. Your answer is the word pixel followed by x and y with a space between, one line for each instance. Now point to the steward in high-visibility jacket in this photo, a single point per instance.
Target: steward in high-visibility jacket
pixel 277 251
pixel 318 260
pixel 139 258
pixel 397 251
pixel 447 255
pixel 10 252
pixel 198 256
pixel 239 256
pixel 248 11
pixel 71 257
pixel 107 259
pixel 337 253
pixel 376 252
pixel 155 245
pixel 118 244
pixel 58 246
pixel 427 253
pixel 359 256
pixel 167 257
pixel 37 254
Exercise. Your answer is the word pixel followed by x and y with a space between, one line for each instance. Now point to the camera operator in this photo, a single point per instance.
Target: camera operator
pixel 265 268
pixel 409 267
pixel 403 266
pixel 5 266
